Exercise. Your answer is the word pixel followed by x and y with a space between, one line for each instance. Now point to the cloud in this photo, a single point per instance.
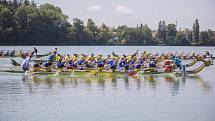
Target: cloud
pixel 94 8
pixel 121 9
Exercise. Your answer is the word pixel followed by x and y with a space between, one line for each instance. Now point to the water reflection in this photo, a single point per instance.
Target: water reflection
pixel 205 85
pixel 154 82
pixel 174 84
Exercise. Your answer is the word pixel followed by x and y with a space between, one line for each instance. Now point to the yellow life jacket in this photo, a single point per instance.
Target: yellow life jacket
pixel 128 57
pixel 66 58
pixel 74 58
pixel 57 58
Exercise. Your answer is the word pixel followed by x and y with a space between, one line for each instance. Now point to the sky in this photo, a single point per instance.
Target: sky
pixel 133 12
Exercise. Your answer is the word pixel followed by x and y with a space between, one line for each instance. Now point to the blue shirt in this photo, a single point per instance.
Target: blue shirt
pixel 52 57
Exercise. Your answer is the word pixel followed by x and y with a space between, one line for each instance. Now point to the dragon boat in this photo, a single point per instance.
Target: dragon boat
pixel 142 71
pixel 17 56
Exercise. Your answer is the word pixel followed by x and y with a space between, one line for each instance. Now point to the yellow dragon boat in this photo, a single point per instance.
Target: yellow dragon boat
pixel 146 71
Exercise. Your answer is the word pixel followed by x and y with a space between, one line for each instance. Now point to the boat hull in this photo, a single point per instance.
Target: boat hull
pixel 96 73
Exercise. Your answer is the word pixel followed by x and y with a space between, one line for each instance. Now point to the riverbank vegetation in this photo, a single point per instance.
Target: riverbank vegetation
pixel 24 22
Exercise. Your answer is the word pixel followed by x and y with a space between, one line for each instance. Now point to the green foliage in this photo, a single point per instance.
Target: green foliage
pixel 104 35
pixel 78 30
pixel 135 36
pixel 182 39
pixel 171 35
pixel 171 30
pixel 6 18
pixel 162 31
pixel 22 22
pixel 52 13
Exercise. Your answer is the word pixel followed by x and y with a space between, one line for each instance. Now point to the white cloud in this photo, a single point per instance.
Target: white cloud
pixel 121 9
pixel 94 8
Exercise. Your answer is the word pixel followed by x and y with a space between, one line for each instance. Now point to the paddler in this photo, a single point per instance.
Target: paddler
pixel 55 50
pixel 136 53
pixel 126 68
pixel 122 62
pixel 91 58
pixel 13 52
pixel 48 66
pixel 60 65
pixel 152 63
pixel 26 63
pixel 35 51
pixel 52 56
pixel 74 58
pixel 177 61
pixel 207 54
pixel 66 58
pixel 7 53
pixel 81 62
pixel 36 66
pixel 112 63
pixel 89 65
pixel 57 57
pixel 100 65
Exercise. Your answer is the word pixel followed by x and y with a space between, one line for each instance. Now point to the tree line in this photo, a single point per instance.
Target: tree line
pixel 24 22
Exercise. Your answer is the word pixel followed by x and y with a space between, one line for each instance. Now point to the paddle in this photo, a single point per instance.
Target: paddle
pixel 14 63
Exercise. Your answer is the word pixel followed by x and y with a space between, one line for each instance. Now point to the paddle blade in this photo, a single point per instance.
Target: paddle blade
pixel 14 63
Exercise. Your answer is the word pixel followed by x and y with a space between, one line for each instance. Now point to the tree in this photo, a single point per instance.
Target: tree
pixel 171 30
pixel 22 22
pixel 53 13
pixel 15 5
pixel 135 36
pixel 162 31
pixel 196 30
pixel 91 26
pixel 104 35
pixel 181 39
pixel 25 15
pixel 148 35
pixel 78 28
pixel 211 37
pixel 171 34
pixel 6 18
pixel 204 37
pixel 91 31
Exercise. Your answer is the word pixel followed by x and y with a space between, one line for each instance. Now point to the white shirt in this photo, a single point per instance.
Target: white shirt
pixel 26 62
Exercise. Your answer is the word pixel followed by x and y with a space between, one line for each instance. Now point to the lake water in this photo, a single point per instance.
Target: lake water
pixel 107 98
